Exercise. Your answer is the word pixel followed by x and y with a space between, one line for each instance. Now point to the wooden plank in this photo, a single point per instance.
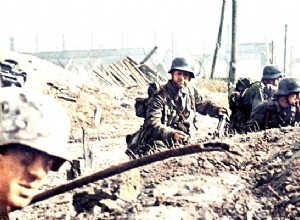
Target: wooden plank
pixel 116 75
pixel 120 74
pixel 134 74
pixel 132 61
pixel 129 74
pixel 103 76
pixel 137 74
pixel 126 73
pixel 108 71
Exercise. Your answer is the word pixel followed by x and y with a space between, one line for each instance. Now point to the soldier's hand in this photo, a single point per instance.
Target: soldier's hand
pixel 222 110
pixel 251 127
pixel 180 136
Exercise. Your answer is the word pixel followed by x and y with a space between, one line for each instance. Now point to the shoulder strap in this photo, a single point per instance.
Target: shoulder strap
pixel 192 97
pixel 163 90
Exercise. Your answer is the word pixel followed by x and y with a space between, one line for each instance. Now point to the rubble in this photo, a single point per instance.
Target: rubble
pixel 262 182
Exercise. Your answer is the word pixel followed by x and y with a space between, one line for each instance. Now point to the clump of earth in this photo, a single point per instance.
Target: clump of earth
pixel 260 182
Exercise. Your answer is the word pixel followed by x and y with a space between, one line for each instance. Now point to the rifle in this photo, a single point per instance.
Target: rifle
pixel 222 128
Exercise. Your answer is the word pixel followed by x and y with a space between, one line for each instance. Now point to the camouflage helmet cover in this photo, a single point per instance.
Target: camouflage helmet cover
pixel 272 72
pixel 183 64
pixel 287 86
pixel 36 120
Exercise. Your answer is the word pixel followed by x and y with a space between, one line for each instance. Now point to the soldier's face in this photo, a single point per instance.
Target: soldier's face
pixel 22 174
pixel 293 98
pixel 276 81
pixel 181 78
pixel 273 82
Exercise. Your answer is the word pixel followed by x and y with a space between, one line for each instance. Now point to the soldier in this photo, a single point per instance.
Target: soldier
pixel 281 111
pixel 170 116
pixel 34 132
pixel 256 93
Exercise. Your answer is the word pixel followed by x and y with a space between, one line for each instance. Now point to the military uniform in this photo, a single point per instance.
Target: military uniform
pixel 170 118
pixel 174 109
pixel 270 114
pixel 281 111
pixel 3 212
pixel 257 93
pixel 252 97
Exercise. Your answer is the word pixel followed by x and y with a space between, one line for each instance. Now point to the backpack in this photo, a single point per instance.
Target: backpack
pixel 238 115
pixel 136 146
pixel 141 104
pixel 236 97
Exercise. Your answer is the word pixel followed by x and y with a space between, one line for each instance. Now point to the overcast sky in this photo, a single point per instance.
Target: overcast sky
pixel 86 24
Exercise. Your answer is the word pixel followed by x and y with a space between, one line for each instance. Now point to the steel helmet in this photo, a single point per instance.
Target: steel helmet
pixel 36 120
pixel 183 64
pixel 287 86
pixel 272 72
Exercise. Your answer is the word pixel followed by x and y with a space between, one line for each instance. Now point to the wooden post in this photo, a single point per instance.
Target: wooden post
pixel 272 53
pixel 149 55
pixel 97 115
pixel 232 68
pixel 219 40
pixel 12 43
pixel 63 43
pixel 87 152
pixel 36 44
pixel 284 53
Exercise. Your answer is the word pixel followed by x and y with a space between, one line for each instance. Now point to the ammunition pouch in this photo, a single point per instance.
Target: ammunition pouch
pixel 141 107
pixel 137 146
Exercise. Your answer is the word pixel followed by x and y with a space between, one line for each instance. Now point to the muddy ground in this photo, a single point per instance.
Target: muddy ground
pixel 262 182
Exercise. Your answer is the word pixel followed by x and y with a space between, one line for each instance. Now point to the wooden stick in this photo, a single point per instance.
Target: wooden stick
pixel 113 170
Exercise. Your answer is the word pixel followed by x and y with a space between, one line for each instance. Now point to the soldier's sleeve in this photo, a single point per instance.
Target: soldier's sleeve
pixel 206 107
pixel 258 96
pixel 154 119
pixel 257 119
pixel 297 117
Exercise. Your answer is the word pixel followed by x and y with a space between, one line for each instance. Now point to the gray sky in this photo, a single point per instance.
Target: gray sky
pixel 143 23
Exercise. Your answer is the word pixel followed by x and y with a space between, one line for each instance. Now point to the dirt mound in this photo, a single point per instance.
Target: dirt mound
pixel 260 183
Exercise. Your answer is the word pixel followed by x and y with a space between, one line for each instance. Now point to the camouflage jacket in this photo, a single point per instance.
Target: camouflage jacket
pixel 269 114
pixel 165 114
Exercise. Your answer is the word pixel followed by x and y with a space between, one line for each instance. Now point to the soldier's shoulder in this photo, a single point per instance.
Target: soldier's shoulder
pixel 272 105
pixel 266 105
pixel 256 85
pixel 192 89
pixel 253 88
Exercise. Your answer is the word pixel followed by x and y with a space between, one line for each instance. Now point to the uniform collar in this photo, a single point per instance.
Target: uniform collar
pixel 174 89
pixel 3 211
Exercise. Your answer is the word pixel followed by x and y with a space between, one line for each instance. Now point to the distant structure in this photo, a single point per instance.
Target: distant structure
pixel 251 59
pixel 107 56
pixel 256 51
pixel 12 44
